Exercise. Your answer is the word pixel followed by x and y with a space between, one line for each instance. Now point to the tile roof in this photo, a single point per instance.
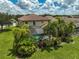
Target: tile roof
pixel 33 17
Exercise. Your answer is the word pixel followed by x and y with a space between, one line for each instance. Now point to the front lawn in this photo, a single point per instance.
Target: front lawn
pixel 6 40
pixel 68 51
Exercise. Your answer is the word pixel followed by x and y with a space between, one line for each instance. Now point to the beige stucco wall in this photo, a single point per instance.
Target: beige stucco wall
pixel 37 23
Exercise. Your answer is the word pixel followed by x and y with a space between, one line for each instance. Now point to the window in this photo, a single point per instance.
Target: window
pixel 34 23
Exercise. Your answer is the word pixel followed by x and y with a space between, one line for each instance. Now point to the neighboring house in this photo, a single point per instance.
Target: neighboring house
pixel 75 20
pixel 3 24
pixel 14 22
pixel 35 22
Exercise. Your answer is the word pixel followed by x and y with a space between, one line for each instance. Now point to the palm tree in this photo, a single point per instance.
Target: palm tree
pixel 60 29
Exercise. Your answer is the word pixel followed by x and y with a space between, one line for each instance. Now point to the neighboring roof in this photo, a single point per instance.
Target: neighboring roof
pixel 5 22
pixel 49 17
pixel 33 17
pixel 77 16
pixel 75 20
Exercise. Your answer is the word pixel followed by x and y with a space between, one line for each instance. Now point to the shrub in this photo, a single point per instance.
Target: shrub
pixel 23 45
pixel 26 51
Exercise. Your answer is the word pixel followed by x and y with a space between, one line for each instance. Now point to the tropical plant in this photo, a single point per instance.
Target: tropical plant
pixel 23 45
pixel 60 29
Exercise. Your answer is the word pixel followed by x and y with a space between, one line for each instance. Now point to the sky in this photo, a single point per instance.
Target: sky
pixel 41 1
pixel 14 1
pixel 60 7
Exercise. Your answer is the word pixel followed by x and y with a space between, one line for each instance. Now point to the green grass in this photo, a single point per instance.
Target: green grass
pixel 6 40
pixel 68 51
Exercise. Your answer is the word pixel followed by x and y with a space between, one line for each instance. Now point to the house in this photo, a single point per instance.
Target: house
pixel 14 22
pixel 3 24
pixel 35 23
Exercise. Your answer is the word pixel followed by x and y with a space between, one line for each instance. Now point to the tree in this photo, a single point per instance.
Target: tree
pixel 60 29
pixel 4 19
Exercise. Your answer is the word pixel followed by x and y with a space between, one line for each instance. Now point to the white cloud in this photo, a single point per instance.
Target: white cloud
pixel 66 7
pixel 10 8
pixel 29 4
